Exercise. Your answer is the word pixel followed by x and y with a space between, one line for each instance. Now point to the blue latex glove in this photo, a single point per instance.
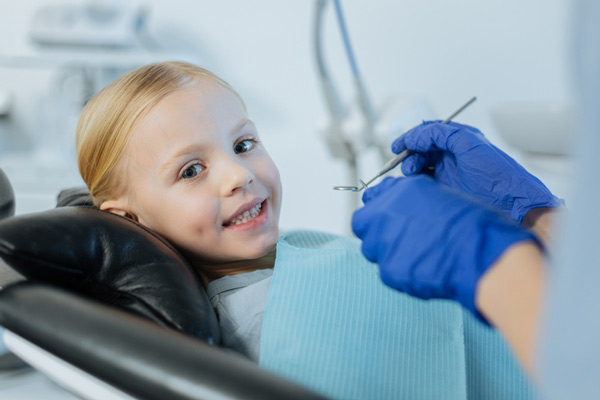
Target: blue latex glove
pixel 466 161
pixel 431 241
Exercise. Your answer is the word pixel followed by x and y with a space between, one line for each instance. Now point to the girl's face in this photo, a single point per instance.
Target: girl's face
pixel 198 175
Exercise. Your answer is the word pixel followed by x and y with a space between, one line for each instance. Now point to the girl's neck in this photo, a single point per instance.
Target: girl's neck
pixel 210 272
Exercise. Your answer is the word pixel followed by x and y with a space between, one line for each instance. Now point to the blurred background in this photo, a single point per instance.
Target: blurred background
pixel 417 59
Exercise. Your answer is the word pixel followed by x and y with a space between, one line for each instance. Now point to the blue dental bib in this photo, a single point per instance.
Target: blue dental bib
pixel 330 324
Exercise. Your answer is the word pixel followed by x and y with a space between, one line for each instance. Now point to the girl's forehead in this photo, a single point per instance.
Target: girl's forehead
pixel 202 100
pixel 202 114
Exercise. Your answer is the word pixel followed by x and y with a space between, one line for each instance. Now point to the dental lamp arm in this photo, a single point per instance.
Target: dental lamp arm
pixel 332 99
pixel 366 106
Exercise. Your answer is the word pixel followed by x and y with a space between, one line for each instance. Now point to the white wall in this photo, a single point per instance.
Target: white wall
pixel 439 50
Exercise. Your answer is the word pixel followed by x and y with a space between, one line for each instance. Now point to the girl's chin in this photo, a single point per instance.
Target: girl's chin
pixel 236 253
pixel 266 249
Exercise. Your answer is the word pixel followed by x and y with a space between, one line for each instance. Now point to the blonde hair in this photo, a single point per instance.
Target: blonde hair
pixel 109 117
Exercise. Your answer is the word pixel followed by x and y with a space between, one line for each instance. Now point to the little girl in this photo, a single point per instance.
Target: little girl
pixel 171 146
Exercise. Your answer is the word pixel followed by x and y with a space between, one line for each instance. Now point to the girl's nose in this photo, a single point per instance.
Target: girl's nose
pixel 236 176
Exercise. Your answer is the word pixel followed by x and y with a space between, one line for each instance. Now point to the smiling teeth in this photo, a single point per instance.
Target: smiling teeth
pixel 247 215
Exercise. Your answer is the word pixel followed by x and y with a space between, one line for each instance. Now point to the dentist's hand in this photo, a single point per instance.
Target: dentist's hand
pixel 465 160
pixel 431 241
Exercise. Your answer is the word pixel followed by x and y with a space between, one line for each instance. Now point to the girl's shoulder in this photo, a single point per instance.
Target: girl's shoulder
pixel 307 239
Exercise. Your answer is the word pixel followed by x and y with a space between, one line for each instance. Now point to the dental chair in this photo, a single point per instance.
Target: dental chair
pixel 110 310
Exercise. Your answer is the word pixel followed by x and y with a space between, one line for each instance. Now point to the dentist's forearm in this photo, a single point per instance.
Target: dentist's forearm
pixel 509 295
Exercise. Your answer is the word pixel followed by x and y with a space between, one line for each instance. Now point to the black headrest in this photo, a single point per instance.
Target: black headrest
pixel 112 259
pixel 7 197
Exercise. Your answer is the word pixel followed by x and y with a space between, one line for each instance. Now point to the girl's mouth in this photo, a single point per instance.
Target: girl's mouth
pixel 246 216
pixel 250 218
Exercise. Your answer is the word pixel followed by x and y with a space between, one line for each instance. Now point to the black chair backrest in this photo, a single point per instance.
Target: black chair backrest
pixel 7 197
pixel 112 259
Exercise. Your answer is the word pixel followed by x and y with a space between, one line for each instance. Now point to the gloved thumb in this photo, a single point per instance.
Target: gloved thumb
pixel 399 145
pixel 425 138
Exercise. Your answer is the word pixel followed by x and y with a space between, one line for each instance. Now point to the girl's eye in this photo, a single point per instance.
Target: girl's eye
pixel 192 171
pixel 244 146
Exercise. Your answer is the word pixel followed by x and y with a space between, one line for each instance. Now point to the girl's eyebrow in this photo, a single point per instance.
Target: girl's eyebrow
pixel 241 125
pixel 193 148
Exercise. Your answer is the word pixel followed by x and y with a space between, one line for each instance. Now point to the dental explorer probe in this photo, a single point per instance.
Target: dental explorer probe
pixel 399 158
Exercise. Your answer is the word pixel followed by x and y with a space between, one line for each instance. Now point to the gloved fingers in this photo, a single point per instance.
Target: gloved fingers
pixel 469 128
pixel 465 138
pixel 363 227
pixel 401 277
pixel 434 121
pixel 369 247
pixel 413 164
pixel 425 138
pixel 359 222
pixel 421 163
pixel 399 145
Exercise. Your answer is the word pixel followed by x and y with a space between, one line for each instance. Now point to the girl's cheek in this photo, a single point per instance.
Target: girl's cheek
pixel 272 172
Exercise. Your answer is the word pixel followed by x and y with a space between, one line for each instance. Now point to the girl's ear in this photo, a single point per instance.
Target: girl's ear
pixel 118 207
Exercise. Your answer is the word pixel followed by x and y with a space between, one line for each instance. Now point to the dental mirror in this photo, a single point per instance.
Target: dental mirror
pixel 397 159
